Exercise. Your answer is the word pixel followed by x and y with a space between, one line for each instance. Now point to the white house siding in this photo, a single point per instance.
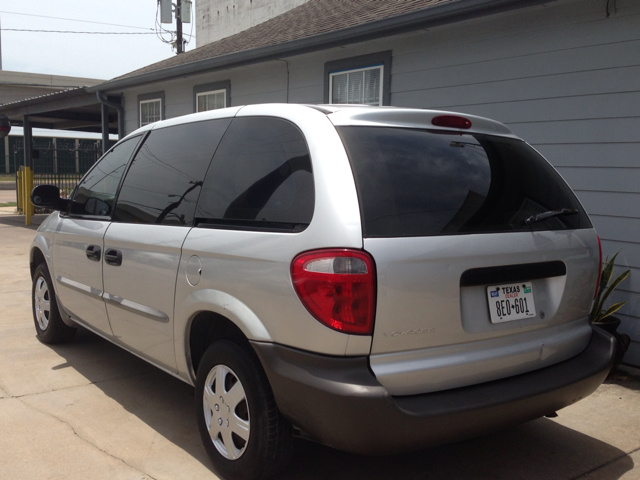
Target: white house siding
pixel 561 75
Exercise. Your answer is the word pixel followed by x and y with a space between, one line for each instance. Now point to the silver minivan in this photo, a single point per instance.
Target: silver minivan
pixel 376 279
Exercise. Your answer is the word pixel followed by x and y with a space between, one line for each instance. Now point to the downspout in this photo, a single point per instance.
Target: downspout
pixel 287 63
pixel 119 107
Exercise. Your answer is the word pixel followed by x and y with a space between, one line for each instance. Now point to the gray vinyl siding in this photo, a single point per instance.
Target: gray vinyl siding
pixel 249 85
pixel 565 78
pixel 561 75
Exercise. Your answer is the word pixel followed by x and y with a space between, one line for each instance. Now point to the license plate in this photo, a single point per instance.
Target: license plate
pixel 511 302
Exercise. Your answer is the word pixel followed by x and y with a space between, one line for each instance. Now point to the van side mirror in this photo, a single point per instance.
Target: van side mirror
pixel 48 196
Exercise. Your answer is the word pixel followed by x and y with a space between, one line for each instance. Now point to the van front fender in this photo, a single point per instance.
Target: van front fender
pixel 40 248
pixel 43 242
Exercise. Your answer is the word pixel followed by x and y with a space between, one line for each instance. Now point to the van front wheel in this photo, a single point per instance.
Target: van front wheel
pixel 241 428
pixel 49 325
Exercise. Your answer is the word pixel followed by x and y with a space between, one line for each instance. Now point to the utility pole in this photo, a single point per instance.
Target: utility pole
pixel 179 41
pixel 182 9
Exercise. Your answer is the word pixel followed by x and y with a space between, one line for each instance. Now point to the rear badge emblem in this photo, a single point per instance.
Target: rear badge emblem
pixel 417 331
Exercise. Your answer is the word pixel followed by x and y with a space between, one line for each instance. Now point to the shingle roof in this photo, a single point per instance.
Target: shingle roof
pixel 312 18
pixel 67 92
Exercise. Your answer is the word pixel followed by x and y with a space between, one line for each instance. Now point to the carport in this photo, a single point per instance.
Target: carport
pixel 74 109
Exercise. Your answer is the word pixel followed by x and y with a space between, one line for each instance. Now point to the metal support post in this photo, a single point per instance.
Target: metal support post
pixel 55 156
pixel 105 127
pixel 77 151
pixel 27 174
pixel 7 159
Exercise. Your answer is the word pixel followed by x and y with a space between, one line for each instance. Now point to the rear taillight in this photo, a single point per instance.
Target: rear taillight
pixel 599 268
pixel 337 286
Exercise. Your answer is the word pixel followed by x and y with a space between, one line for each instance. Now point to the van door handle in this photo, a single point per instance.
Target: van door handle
pixel 113 257
pixel 93 253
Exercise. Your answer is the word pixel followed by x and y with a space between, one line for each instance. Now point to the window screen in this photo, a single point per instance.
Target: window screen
pixel 260 177
pixel 96 193
pixel 164 180
pixel 211 100
pixel 419 183
pixel 150 111
pixel 360 86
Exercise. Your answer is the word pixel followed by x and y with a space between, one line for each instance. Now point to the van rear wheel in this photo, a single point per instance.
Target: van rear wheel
pixel 49 325
pixel 241 428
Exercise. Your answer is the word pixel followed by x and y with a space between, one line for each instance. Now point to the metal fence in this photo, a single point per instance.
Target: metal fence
pixel 60 161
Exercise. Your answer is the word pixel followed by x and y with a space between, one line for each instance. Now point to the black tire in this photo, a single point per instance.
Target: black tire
pixel 250 410
pixel 49 325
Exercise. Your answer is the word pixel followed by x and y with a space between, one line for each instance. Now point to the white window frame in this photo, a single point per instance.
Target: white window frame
pixel 151 100
pixel 355 70
pixel 211 92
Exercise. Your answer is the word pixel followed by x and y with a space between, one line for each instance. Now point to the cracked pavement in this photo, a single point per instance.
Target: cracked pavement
pixel 88 409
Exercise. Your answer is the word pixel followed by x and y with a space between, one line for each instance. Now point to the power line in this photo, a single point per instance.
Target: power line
pixel 73 31
pixel 75 20
pixel 191 31
pixel 70 31
pixel 160 31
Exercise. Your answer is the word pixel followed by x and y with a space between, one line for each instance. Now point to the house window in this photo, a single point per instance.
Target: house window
pixel 150 111
pixel 212 96
pixel 365 79
pixel 211 100
pixel 361 85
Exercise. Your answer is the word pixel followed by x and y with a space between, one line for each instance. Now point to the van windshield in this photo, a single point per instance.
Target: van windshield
pixel 424 183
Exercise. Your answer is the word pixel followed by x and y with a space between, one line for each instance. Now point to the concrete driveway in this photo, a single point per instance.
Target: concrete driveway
pixel 7 196
pixel 88 409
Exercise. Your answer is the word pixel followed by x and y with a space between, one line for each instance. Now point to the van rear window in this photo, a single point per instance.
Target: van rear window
pixel 424 183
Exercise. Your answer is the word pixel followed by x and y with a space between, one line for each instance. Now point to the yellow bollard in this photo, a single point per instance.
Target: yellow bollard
pixel 20 187
pixel 28 186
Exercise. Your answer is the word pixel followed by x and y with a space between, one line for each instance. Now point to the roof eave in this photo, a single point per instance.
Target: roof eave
pixel 457 10
pixel 74 97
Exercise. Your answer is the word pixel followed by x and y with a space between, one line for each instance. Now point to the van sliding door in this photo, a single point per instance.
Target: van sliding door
pixel 153 214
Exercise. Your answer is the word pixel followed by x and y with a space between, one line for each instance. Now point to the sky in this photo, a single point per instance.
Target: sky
pixel 83 55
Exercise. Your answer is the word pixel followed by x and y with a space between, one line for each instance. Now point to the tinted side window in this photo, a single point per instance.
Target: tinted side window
pixel 260 177
pixel 418 183
pixel 96 193
pixel 164 180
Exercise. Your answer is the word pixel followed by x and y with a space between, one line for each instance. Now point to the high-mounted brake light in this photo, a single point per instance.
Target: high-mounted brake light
pixel 595 295
pixel 451 121
pixel 337 286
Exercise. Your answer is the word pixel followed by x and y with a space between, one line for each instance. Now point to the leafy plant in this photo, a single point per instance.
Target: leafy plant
pixel 598 314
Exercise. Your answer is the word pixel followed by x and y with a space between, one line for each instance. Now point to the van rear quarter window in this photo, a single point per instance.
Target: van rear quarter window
pixel 424 182
pixel 260 177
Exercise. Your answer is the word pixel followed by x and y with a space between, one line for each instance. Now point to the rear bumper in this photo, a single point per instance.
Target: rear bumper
pixel 338 401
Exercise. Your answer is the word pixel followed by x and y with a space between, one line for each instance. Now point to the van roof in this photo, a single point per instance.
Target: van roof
pixel 361 115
